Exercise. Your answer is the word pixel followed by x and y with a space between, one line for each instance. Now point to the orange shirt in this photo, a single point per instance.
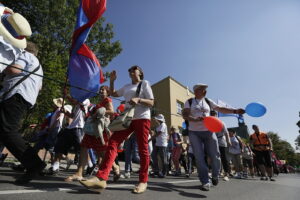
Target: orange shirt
pixel 260 141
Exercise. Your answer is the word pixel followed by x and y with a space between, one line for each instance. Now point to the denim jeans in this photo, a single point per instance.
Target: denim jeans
pixel 131 152
pixel 205 141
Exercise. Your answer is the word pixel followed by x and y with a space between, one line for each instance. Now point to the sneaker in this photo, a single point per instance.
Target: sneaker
pixel 271 179
pixel 205 187
pixel 161 175
pixel 238 176
pixel 245 175
pixel 263 178
pixel 215 181
pixel 30 174
pixel 127 175
pixel 225 178
pixel 18 168
pixel 52 172
pixel 187 175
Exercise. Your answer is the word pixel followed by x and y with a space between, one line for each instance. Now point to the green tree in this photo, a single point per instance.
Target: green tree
pixel 297 142
pixel 284 150
pixel 52 23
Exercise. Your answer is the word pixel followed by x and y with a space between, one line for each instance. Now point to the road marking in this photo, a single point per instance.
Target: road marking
pixel 79 187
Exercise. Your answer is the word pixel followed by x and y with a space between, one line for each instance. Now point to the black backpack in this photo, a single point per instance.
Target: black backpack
pixel 185 131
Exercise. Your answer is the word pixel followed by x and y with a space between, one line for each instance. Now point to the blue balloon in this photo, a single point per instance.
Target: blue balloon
pixel 255 109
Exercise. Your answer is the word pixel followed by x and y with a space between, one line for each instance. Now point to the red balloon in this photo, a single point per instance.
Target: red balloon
pixel 213 124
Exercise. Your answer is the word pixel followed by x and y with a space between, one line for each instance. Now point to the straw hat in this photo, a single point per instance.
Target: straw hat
pixel 58 102
pixel 14 27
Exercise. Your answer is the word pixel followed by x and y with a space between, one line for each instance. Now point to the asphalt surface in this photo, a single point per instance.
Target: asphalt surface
pixel 286 187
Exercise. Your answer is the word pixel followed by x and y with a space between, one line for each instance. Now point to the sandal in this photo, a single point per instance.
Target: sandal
pixel 74 178
pixel 140 188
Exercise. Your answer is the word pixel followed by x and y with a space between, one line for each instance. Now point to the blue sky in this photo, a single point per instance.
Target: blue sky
pixel 246 51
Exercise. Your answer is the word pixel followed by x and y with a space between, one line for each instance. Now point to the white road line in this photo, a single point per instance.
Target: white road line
pixel 79 187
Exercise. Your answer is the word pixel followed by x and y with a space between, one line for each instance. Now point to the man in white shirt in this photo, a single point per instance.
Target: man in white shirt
pixel 202 140
pixel 17 97
pixel 161 145
pixel 72 135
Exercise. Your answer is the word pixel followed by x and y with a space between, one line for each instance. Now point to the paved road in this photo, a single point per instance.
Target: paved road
pixel 287 187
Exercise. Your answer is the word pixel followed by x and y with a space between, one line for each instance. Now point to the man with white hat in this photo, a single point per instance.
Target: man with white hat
pixel 18 95
pixel 202 140
pixel 72 135
pixel 14 29
pixel 161 145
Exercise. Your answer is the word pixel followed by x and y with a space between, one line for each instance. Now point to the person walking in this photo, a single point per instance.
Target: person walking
pixel 140 125
pixel 235 153
pixel 195 109
pixel 224 143
pixel 161 145
pixel 18 96
pixel 263 147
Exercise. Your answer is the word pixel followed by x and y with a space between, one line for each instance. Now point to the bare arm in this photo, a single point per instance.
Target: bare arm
pixel 109 109
pixel 113 77
pixel 186 114
pixel 13 69
pixel 229 110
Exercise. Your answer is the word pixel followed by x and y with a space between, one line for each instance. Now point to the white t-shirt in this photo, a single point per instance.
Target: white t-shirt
pixel 199 108
pixel 30 87
pixel 78 119
pixel 162 139
pixel 129 91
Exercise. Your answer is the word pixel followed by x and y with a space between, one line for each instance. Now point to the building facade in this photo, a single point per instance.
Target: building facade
pixel 170 96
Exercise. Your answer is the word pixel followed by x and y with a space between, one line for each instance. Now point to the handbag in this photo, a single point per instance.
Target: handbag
pixel 123 121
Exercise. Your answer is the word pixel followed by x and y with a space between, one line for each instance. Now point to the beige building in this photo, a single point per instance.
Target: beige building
pixel 170 96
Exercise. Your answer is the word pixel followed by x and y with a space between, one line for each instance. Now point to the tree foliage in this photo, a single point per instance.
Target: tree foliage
pixel 284 150
pixel 52 23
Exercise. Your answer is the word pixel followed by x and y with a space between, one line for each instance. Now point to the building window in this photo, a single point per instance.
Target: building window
pixel 179 106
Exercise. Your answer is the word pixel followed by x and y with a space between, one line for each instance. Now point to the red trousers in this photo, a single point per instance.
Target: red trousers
pixel 141 128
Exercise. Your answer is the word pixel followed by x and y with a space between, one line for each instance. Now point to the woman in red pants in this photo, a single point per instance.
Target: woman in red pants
pixel 140 125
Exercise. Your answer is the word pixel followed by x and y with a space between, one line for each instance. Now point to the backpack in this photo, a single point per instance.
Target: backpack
pixel 185 131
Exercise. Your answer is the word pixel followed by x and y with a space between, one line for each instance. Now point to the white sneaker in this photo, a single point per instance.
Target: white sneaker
pixel 127 175
pixel 226 178
pixel 205 187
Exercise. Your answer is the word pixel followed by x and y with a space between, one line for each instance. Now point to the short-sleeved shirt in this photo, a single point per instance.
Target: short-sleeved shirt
pixel 221 136
pixel 162 139
pixel 79 115
pixel 235 146
pixel 129 92
pixel 199 108
pixel 30 87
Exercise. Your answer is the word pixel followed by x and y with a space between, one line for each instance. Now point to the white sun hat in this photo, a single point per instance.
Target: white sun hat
pixel 160 117
pixel 14 27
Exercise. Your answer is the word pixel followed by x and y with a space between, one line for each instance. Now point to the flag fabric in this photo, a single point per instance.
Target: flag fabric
pixel 84 69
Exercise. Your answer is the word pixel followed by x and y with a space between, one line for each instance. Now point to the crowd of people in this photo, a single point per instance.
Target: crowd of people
pixel 84 127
